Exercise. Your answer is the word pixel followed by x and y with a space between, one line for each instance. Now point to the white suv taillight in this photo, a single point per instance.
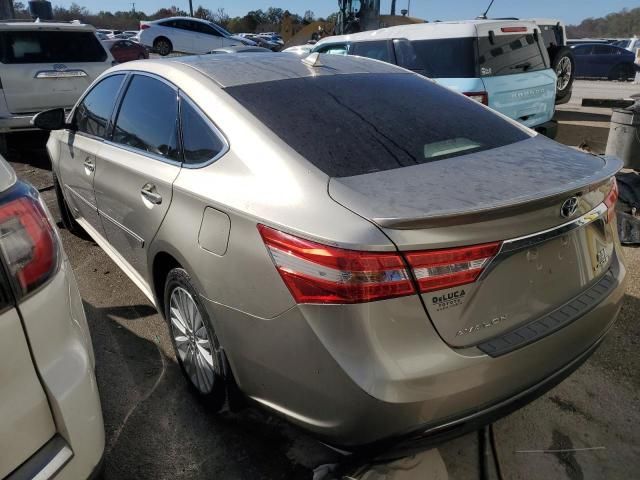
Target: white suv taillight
pixel 481 97
pixel 611 199
pixel 316 273
pixel 28 243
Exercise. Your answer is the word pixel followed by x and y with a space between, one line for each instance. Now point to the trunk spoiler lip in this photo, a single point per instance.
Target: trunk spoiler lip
pixel 612 165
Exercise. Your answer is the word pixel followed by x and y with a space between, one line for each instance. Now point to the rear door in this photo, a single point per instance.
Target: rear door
pixel 48 68
pixel 514 66
pixel 26 423
pixel 137 167
pixel 79 147
pixel 602 60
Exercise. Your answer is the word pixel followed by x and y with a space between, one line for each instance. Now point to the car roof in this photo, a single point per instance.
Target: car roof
pixel 67 26
pixel 251 68
pixel 419 31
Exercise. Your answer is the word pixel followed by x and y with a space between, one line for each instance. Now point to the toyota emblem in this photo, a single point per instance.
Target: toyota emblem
pixel 569 207
pixel 60 67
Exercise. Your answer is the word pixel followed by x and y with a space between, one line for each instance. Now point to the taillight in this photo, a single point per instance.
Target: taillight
pixel 452 267
pixel 611 199
pixel 144 26
pixel 28 243
pixel 513 29
pixel 482 97
pixel 316 273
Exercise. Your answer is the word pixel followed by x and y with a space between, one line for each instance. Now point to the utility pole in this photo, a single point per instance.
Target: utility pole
pixel 6 9
pixel 393 7
pixel 191 8
pixel 133 7
pixel 409 8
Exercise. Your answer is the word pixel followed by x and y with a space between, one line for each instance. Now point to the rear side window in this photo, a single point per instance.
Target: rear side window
pixel 378 50
pixel 50 47
pixel 508 54
pixel 199 142
pixel 94 111
pixel 362 123
pixel 447 57
pixel 148 116
pixel 603 50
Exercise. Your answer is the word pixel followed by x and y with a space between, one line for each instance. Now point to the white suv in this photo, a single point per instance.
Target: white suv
pixel 186 35
pixel 45 65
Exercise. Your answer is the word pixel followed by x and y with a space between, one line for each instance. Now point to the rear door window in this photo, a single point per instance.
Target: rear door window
pixel 361 123
pixel 45 46
pixel 94 111
pixel 378 50
pixel 147 119
pixel 507 54
pixel 447 57
pixel 200 142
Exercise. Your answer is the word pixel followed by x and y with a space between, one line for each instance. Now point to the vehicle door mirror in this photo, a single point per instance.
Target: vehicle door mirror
pixel 54 119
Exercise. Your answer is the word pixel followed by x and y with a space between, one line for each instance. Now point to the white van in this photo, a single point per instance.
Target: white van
pixel 45 65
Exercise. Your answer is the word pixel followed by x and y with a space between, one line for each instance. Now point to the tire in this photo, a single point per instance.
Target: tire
pixel 564 64
pixel 621 72
pixel 183 309
pixel 68 221
pixel 163 46
pixel 141 56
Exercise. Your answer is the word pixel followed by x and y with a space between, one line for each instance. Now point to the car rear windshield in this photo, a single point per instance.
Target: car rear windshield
pixel 354 124
pixel 507 54
pixel 42 46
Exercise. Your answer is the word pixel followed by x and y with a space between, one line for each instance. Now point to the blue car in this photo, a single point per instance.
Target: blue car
pixel 503 64
pixel 596 60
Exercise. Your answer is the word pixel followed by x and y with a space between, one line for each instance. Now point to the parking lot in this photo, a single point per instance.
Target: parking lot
pixel 584 428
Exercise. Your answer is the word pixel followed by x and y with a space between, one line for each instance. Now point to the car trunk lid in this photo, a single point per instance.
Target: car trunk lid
pixel 502 195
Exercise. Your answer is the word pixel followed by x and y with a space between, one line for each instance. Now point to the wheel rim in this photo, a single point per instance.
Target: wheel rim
pixel 193 345
pixel 563 71
pixel 163 47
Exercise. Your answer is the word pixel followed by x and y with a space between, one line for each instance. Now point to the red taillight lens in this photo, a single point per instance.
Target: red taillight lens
pixel 513 29
pixel 28 243
pixel 440 269
pixel 611 199
pixel 144 26
pixel 316 273
pixel 481 97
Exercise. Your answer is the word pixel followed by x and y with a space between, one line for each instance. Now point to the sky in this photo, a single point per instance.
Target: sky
pixel 569 11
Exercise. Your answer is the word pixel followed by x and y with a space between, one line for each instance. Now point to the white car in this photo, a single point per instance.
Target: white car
pixel 45 65
pixel 109 33
pixel 50 415
pixel 186 35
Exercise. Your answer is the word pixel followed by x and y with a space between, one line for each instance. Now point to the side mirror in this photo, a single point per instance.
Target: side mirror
pixel 54 119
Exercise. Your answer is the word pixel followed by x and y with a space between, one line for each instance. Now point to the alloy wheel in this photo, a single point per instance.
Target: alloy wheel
pixel 193 344
pixel 563 71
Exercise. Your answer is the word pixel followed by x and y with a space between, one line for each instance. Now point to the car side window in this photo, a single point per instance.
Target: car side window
pixel 200 142
pixel 582 50
pixel 207 29
pixel 147 119
pixel 378 50
pixel 601 50
pixel 94 111
pixel 335 49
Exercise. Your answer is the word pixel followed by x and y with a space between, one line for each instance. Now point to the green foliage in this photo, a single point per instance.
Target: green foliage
pixel 625 23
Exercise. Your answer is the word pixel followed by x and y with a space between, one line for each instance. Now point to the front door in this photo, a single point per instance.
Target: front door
pixel 137 167
pixel 79 149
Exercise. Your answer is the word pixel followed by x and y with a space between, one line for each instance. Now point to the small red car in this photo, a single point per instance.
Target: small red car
pixel 126 50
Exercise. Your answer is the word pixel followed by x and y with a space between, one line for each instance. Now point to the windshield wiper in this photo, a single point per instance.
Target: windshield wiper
pixel 524 66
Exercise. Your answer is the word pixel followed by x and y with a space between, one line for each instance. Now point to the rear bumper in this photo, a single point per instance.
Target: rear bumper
pixel 548 129
pixel 57 329
pixel 357 375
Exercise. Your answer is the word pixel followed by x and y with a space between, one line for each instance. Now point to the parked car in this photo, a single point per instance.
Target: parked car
pixel 127 34
pixel 301 50
pixel 187 35
pixel 554 36
pixel 631 44
pixel 261 41
pixel 595 60
pixel 272 37
pixel 501 63
pixel 109 33
pixel 126 50
pixel 45 65
pixel 50 415
pixel 338 261
pixel 581 41
pixel 242 49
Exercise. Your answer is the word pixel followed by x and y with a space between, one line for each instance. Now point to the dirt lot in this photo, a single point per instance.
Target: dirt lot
pixel 156 429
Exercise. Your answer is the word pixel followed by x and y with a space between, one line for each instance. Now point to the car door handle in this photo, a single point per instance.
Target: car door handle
pixel 89 166
pixel 150 192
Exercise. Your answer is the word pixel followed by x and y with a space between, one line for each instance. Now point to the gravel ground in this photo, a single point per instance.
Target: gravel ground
pixel 157 430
